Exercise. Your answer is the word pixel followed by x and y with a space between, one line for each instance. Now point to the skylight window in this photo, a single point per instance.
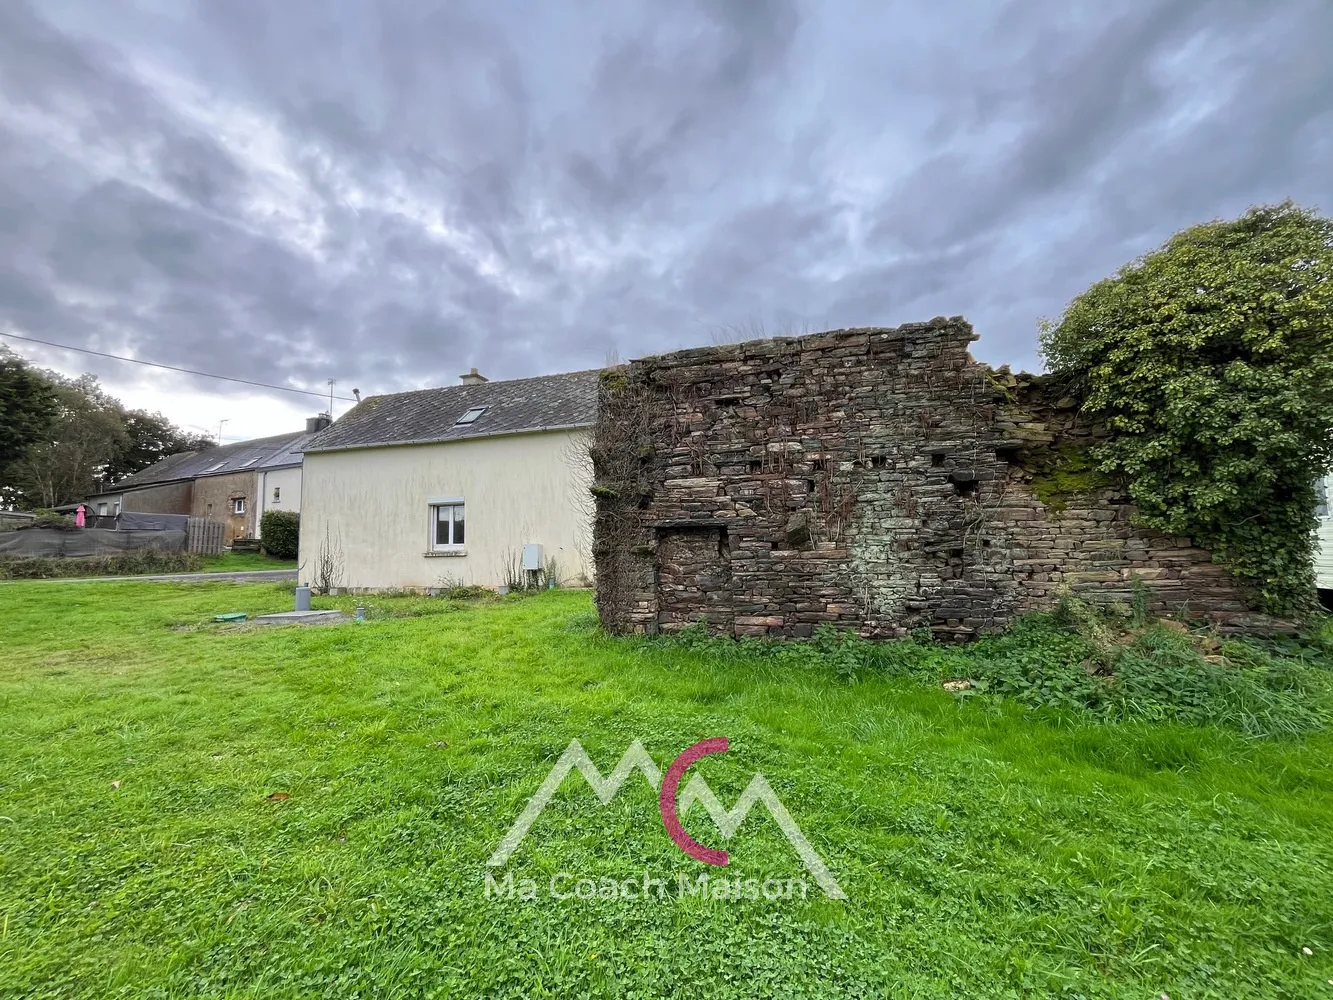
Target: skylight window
pixel 214 468
pixel 249 462
pixel 470 416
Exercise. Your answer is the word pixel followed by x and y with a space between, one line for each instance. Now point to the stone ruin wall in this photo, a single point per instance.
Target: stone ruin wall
pixel 876 479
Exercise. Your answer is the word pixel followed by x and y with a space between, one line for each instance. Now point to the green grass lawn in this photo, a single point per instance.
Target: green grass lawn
pixel 194 810
pixel 236 562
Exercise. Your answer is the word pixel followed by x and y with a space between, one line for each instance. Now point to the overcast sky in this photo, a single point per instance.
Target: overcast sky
pixel 392 191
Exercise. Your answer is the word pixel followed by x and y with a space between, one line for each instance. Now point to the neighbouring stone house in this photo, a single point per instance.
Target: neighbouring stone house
pixel 232 483
pixel 879 480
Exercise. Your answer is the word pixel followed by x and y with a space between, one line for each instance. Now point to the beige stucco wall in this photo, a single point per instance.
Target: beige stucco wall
pixel 1324 553
pixel 288 483
pixel 375 503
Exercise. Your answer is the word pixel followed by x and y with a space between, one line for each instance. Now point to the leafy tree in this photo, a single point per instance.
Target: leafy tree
pixel 1210 361
pixel 63 438
pixel 27 406
pixel 67 464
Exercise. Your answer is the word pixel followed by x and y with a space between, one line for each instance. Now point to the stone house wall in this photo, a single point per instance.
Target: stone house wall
pixel 876 479
pixel 213 496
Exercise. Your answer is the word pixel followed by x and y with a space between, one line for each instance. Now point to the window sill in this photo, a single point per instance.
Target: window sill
pixel 444 553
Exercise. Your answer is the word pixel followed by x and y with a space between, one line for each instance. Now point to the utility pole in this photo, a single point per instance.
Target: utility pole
pixel 332 383
pixel 220 423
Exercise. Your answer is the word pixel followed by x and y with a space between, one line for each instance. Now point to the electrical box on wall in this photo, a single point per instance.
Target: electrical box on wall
pixel 532 557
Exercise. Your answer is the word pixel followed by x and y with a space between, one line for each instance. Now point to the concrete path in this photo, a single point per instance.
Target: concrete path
pixel 242 576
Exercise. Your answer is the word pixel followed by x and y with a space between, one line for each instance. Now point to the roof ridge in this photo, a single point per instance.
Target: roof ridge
pixel 560 400
pixel 480 385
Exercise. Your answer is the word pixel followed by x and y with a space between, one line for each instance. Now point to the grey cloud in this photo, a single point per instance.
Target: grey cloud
pixel 407 189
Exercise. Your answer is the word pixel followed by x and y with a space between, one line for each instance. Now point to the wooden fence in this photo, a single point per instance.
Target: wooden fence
pixel 204 536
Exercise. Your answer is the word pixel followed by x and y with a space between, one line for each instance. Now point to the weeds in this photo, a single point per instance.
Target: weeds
pixel 1087 661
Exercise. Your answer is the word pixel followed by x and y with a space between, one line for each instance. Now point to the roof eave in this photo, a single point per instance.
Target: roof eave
pixel 452 440
pixel 131 487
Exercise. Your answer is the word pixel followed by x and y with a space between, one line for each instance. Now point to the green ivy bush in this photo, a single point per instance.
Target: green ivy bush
pixel 280 533
pixel 1210 361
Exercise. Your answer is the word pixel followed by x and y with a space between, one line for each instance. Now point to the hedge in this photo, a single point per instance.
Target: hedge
pixel 280 533
pixel 145 561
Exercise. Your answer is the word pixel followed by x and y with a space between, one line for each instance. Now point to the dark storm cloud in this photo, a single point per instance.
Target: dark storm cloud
pixel 391 191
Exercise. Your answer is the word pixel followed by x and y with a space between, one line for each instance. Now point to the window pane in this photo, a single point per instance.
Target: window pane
pixel 441 525
pixel 458 525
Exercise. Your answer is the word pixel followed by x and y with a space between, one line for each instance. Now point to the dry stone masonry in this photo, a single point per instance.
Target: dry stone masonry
pixel 876 479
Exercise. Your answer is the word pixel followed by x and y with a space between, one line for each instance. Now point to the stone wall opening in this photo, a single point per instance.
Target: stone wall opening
pixel 694 576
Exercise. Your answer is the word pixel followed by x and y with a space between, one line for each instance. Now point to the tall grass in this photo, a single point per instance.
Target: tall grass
pixel 1082 661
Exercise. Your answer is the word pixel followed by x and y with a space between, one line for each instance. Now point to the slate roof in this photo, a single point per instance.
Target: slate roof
pixel 260 453
pixel 289 455
pixel 426 416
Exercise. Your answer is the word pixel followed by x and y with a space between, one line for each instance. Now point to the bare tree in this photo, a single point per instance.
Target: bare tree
pixel 578 459
pixel 328 571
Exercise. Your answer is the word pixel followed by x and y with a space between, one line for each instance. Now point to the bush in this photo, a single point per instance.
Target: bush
pixel 1210 362
pixel 146 561
pixel 280 533
pixel 47 518
pixel 466 592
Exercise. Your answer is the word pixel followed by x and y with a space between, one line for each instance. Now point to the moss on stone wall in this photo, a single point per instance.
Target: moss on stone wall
pixel 1060 472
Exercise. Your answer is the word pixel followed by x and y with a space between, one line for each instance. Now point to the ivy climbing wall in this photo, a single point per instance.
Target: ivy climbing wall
pixel 875 479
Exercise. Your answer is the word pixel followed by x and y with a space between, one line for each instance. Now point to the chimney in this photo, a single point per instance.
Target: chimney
pixel 317 423
pixel 473 377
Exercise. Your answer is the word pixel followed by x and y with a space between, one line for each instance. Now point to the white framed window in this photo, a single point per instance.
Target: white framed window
pixel 277 494
pixel 471 415
pixel 238 505
pixel 446 525
pixel 115 506
pixel 101 509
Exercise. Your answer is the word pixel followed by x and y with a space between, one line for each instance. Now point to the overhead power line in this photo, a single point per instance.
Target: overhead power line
pixel 173 368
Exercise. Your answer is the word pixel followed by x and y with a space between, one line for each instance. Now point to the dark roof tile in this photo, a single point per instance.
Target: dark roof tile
pixel 241 456
pixel 430 415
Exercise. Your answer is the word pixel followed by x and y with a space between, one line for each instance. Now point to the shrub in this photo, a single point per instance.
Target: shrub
pixel 47 518
pixel 1210 362
pixel 280 533
pixel 145 561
